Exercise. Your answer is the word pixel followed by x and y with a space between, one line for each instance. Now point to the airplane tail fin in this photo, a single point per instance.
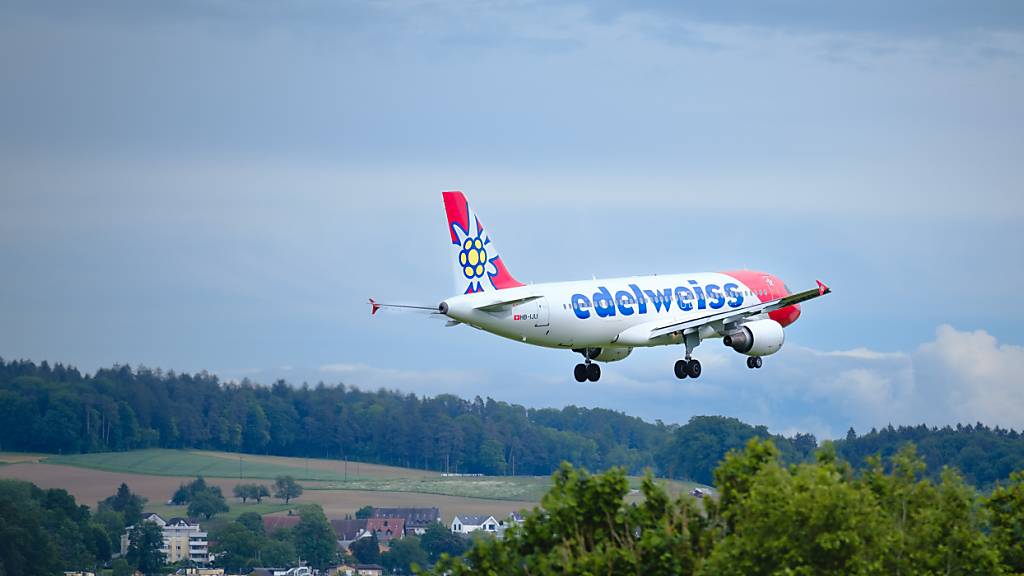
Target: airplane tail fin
pixel 475 261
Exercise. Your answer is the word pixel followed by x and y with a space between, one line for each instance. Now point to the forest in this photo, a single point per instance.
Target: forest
pixel 57 409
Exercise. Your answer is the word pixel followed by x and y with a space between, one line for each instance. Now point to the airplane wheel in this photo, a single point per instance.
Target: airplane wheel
pixel 593 372
pixel 750 362
pixel 757 362
pixel 580 372
pixel 693 368
pixel 680 369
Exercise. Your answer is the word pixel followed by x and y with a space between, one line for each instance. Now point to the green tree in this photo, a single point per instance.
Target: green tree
pixel 404 555
pixel 286 488
pixel 365 512
pixel 438 540
pixel 366 550
pixel 98 542
pixel 277 552
pixel 585 526
pixel 259 492
pixel 251 520
pixel 120 567
pixel 185 492
pixel 236 545
pixel 114 524
pixel 129 505
pixel 256 434
pixel 314 539
pixel 1006 506
pixel 25 545
pixel 145 541
pixel 809 519
pixel 243 491
pixel 206 504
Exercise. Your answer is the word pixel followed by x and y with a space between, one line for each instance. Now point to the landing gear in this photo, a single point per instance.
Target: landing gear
pixel 690 366
pixel 684 368
pixel 587 371
pixel 580 372
pixel 754 362
pixel 680 369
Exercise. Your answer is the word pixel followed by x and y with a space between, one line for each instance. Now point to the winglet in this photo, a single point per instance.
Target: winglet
pixel 822 289
pixel 374 306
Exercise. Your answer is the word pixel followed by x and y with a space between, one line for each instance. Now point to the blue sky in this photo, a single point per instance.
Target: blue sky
pixel 221 185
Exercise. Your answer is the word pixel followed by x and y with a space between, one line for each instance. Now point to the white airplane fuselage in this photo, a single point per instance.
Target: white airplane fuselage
pixel 549 316
pixel 605 320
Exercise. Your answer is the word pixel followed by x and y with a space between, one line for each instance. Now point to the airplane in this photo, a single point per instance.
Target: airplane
pixel 604 320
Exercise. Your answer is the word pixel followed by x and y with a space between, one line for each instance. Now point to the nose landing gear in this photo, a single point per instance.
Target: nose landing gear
pixel 754 362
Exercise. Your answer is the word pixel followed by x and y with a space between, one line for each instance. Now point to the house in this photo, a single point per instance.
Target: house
pixel 357 570
pixel 200 572
pixel 349 530
pixel 297 571
pixel 417 520
pixel 467 524
pixel 272 524
pixel 386 528
pixel 183 539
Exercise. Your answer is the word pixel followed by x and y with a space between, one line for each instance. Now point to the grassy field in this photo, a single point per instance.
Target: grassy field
pixel 16 457
pixel 329 475
pixel 156 473
pixel 157 462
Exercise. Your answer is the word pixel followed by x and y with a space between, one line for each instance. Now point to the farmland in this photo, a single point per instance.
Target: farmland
pixel 156 473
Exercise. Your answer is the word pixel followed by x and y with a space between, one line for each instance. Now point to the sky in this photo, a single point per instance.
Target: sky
pixel 221 185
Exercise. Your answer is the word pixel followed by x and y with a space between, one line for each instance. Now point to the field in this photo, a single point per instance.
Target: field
pixel 155 474
pixel 238 466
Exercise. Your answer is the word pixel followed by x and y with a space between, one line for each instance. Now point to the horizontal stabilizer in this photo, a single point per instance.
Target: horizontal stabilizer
pixel 375 306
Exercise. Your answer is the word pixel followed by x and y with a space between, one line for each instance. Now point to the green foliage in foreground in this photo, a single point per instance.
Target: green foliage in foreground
pixel 806 519
pixel 46 531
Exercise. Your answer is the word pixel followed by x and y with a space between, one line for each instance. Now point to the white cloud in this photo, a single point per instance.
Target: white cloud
pixel 958 377
pixel 973 376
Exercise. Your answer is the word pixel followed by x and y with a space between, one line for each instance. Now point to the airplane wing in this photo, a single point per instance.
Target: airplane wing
pixel 737 314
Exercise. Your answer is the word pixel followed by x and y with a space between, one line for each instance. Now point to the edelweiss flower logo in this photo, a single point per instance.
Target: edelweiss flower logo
pixel 476 263
pixel 476 257
pixel 473 258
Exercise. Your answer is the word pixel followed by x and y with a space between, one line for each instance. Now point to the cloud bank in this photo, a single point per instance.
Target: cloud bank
pixel 960 376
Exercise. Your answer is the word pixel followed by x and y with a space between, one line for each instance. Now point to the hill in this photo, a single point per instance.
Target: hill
pixel 57 409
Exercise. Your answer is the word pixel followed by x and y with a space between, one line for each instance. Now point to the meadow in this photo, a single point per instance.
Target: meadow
pixel 340 487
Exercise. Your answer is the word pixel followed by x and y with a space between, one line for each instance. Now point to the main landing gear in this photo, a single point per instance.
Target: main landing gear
pixel 754 362
pixel 689 368
pixel 587 371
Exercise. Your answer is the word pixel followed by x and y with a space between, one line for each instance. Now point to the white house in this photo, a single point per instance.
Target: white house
pixel 467 524
pixel 182 540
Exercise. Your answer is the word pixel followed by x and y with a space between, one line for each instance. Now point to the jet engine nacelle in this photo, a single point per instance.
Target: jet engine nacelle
pixel 758 338
pixel 609 354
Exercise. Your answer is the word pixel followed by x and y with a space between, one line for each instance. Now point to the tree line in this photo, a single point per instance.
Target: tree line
pixel 57 409
pixel 819 518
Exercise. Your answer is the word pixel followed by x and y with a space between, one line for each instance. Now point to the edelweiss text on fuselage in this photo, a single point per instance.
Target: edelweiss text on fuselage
pixel 634 300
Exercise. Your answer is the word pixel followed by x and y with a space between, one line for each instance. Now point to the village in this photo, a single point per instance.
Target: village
pixel 185 542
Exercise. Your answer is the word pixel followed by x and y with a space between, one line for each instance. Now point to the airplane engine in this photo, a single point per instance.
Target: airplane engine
pixel 758 338
pixel 612 354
